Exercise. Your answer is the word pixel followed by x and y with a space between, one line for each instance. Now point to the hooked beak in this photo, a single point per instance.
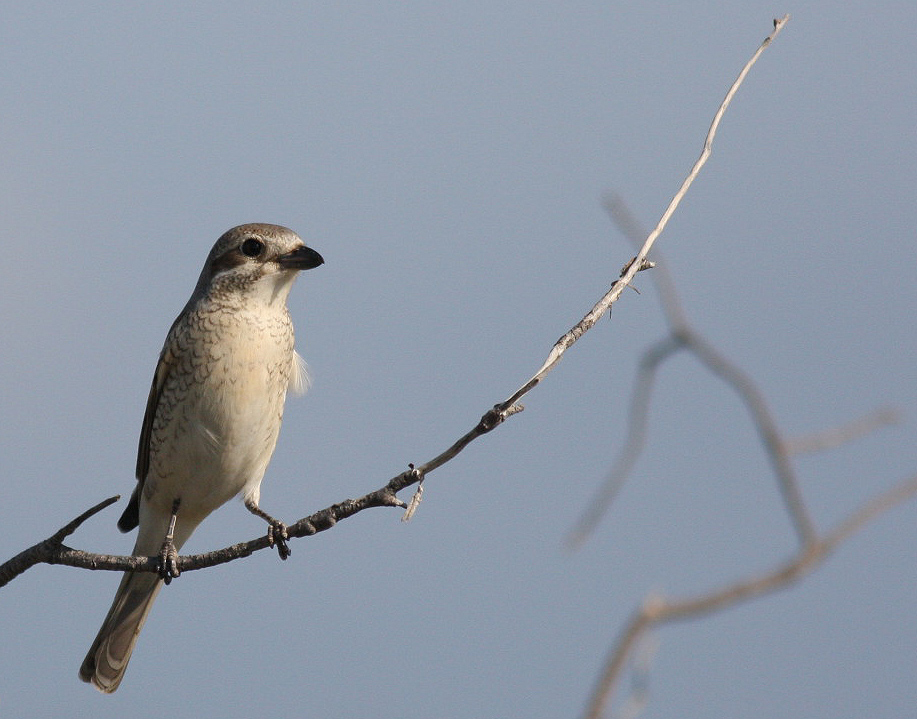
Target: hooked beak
pixel 302 258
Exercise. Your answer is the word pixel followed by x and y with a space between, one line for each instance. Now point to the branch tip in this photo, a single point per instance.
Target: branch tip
pixel 72 526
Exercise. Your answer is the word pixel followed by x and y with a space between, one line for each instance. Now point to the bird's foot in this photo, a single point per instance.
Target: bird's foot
pixel 168 561
pixel 277 537
pixel 168 555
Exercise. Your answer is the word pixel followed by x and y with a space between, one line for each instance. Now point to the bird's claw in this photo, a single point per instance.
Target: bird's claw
pixel 277 537
pixel 168 562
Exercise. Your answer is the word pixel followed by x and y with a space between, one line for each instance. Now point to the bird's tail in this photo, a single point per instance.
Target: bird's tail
pixel 107 659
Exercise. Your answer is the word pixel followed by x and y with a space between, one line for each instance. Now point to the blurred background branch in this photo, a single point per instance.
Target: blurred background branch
pixel 813 547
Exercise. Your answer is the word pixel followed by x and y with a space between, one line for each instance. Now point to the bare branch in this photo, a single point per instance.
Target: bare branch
pixel 657 610
pixel 662 278
pixel 838 436
pixel 638 263
pixel 43 551
pixel 813 549
pixel 682 335
pixel 766 425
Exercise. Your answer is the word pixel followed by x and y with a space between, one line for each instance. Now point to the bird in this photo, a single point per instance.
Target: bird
pixel 212 419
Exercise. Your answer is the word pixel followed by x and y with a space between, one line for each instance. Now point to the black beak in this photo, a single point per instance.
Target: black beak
pixel 302 258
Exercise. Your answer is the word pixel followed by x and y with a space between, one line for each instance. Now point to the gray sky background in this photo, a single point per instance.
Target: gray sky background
pixel 448 160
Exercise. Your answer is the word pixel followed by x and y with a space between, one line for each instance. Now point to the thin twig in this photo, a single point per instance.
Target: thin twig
pixel 845 433
pixel 631 228
pixel 631 269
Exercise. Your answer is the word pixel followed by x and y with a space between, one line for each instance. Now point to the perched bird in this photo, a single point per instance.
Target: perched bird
pixel 212 419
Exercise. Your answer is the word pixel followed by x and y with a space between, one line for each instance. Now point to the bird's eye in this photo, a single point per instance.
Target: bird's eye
pixel 252 247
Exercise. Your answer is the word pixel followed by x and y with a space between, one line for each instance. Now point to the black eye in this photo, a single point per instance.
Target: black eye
pixel 252 247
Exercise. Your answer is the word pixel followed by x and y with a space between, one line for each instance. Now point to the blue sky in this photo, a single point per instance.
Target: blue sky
pixel 448 160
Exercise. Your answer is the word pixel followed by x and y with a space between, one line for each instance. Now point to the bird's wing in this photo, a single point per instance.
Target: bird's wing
pixel 167 360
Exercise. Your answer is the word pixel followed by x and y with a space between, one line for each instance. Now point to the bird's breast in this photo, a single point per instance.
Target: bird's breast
pixel 221 408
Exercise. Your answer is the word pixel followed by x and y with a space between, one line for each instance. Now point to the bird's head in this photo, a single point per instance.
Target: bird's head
pixel 256 262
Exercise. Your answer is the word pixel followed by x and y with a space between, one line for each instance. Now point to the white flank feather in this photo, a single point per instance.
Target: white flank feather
pixel 299 377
